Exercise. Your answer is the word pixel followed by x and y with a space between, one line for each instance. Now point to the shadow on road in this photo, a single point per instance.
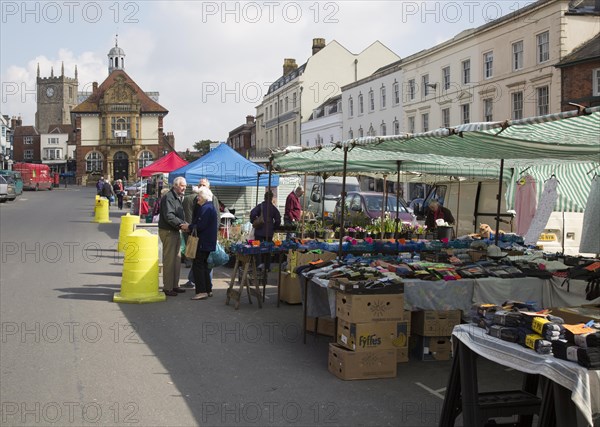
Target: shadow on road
pixel 88 292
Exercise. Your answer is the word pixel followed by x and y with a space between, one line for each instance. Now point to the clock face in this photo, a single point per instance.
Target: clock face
pixel 50 91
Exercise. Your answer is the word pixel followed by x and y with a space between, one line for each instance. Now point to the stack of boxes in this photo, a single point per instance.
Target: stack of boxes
pixel 431 332
pixel 290 290
pixel 372 336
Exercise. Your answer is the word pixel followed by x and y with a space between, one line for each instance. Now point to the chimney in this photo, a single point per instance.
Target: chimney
pixel 16 122
pixel 318 44
pixel 94 88
pixel 249 120
pixel 289 65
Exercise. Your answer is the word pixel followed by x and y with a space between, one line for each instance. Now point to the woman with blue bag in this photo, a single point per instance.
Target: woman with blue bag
pixel 204 225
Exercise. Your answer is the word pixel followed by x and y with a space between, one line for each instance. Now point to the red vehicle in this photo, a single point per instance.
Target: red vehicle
pixel 35 176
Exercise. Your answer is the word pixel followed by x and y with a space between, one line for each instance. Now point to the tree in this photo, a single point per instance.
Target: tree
pixel 203 146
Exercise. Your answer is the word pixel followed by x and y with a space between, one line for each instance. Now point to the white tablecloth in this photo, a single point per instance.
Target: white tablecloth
pixel 584 383
pixel 462 294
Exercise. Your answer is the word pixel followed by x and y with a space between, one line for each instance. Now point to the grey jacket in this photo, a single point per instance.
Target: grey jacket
pixel 171 212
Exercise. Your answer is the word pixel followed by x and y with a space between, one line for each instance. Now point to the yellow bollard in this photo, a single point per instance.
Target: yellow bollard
pixel 126 228
pixel 101 212
pixel 96 204
pixel 139 284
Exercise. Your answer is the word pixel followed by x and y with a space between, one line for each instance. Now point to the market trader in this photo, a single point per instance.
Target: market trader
pixel 170 221
pixel 435 212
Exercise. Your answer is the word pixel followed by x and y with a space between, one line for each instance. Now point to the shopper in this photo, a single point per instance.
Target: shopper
pixel 271 220
pixel 205 224
pixel 119 192
pixel 170 222
pixel 107 191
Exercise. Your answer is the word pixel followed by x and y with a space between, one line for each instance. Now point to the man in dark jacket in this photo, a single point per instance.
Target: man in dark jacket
pixel 172 220
pixel 107 190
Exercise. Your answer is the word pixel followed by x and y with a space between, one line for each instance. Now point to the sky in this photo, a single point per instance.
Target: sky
pixel 211 62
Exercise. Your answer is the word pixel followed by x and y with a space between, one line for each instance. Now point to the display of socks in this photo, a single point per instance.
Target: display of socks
pixel 507 318
pixel 589 357
pixel 505 333
pixel 589 340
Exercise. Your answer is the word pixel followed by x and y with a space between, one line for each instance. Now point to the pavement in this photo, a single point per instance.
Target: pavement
pixel 71 356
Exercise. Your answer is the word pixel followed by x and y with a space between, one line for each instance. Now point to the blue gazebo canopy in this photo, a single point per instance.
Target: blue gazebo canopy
pixel 225 167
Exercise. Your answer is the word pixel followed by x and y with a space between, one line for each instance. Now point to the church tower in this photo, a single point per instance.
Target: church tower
pixel 56 97
pixel 116 58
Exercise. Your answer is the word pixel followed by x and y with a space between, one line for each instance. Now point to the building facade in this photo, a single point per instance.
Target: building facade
pixel 373 105
pixel 56 97
pixel 57 147
pixel 6 142
pixel 26 144
pixel 324 125
pixel 243 138
pixel 291 99
pixel 118 128
pixel 580 76
pixel 502 70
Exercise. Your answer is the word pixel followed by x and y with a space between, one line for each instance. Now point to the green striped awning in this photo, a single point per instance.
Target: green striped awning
pixel 563 137
pixel 573 188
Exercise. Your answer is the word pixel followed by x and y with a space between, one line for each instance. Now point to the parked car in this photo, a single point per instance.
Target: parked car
pixel 16 177
pixel 362 207
pixel 3 190
pixel 11 188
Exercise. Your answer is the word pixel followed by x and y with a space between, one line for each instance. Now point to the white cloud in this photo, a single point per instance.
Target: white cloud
pixel 184 49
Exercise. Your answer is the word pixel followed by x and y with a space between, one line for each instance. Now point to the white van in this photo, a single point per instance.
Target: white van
pixel 324 194
pixel 475 202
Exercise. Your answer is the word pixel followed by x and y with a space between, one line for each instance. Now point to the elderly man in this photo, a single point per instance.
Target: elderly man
pixel 293 208
pixel 170 222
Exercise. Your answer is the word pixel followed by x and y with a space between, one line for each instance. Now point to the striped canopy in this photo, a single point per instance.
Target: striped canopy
pixel 546 144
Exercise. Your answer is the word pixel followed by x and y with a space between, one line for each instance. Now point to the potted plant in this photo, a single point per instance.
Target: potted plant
pixel 351 231
pixel 360 232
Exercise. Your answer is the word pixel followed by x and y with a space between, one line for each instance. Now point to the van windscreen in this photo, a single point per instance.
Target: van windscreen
pixel 333 190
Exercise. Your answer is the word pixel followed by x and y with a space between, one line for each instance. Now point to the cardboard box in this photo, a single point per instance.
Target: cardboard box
pixel 430 348
pixel 369 308
pixel 575 315
pixel 297 258
pixel 373 335
pixel 435 323
pixel 352 365
pixel 326 326
pixel 290 290
pixel 402 355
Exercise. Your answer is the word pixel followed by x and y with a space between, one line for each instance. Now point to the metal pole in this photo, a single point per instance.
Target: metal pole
pixel 457 210
pixel 499 196
pixel 303 206
pixel 343 202
pixel 323 200
pixel 383 205
pixel 257 186
pixel 397 196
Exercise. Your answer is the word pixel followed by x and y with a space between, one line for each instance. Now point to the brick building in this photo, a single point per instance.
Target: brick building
pixel 243 138
pixel 580 76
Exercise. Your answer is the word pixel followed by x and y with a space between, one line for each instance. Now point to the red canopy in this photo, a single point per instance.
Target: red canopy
pixel 165 164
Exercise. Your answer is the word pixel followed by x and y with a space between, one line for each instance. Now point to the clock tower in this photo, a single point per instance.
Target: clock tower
pixel 56 97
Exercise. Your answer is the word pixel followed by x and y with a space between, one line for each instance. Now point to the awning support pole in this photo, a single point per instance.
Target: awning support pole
pixel 343 202
pixel 499 196
pixel 398 162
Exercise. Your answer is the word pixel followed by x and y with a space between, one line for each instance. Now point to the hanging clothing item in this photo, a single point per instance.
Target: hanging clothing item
pixel 590 232
pixel 544 210
pixel 525 203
